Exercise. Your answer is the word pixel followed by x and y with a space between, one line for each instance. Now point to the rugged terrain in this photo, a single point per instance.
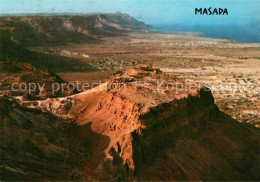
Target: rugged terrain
pixel 230 69
pixel 40 146
pixel 20 35
pixel 60 30
pixel 153 119
pixel 168 133
pixel 26 82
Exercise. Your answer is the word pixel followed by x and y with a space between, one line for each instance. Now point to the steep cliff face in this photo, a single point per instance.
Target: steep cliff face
pixel 42 147
pixel 159 128
pixel 190 139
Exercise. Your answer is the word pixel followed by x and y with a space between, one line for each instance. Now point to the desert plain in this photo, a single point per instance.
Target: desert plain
pixel 231 70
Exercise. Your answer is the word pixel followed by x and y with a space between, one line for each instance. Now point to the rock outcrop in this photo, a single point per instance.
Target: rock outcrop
pixel 160 128
pixel 26 82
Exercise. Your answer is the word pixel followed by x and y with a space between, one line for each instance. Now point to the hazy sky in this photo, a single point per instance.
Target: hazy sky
pixel 149 11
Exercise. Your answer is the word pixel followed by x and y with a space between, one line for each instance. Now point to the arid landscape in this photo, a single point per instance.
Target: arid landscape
pixel 230 69
pixel 150 106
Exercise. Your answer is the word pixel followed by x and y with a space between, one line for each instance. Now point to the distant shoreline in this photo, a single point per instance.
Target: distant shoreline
pixel 195 34
pixel 199 34
pixel 206 31
pixel 239 33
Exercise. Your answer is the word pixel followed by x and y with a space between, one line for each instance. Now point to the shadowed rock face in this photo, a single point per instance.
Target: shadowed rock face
pixel 40 146
pixel 161 133
pixel 195 141
pixel 159 127
pixel 24 74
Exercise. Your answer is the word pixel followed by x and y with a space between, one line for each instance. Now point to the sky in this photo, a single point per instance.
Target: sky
pixel 149 11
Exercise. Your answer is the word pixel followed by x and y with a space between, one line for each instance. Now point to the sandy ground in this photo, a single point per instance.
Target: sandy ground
pixel 231 70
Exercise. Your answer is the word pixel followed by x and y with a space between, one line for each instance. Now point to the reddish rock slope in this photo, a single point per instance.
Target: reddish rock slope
pixel 161 127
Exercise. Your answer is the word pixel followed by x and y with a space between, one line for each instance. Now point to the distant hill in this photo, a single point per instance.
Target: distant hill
pixel 44 29
pixel 11 51
pixel 18 33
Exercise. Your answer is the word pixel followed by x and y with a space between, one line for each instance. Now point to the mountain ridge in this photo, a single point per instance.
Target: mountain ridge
pixel 147 128
pixel 39 30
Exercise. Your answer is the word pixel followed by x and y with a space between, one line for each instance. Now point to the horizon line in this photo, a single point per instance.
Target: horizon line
pixel 61 13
